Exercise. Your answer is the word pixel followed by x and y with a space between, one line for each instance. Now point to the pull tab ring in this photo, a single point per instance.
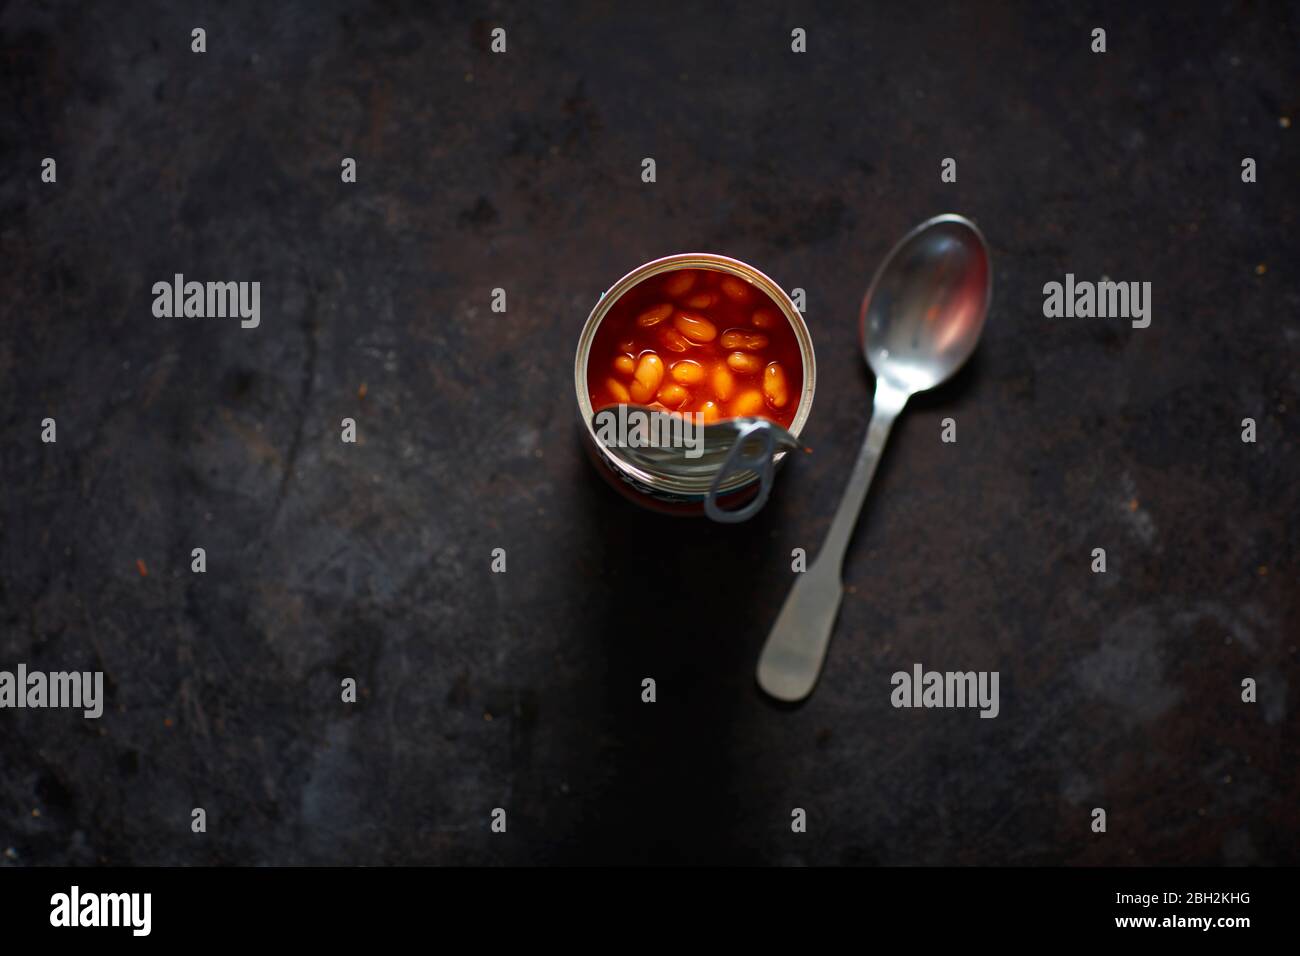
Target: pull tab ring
pixel 736 462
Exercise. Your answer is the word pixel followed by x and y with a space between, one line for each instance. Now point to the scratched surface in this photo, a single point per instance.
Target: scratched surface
pixel 522 690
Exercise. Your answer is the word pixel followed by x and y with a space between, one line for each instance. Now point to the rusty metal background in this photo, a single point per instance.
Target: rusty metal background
pixel 522 691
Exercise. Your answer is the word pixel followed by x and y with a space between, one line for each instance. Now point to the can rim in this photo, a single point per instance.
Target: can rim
pixel 685 260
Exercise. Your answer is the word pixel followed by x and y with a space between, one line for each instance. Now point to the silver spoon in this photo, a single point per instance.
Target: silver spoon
pixel 920 321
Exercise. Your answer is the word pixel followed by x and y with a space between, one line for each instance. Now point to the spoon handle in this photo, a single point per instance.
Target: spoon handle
pixel 792 658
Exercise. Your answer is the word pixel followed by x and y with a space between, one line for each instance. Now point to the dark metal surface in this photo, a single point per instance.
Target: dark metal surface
pixel 523 690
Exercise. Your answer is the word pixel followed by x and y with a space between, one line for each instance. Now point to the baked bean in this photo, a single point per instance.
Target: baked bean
pixel 775 388
pixel 743 339
pixel 672 340
pixel 649 374
pixel 724 383
pixel 618 390
pixel 744 363
pixel 695 327
pixel 735 290
pixel 673 395
pixel 688 372
pixel 698 341
pixel 679 282
pixel 748 402
pixel 654 316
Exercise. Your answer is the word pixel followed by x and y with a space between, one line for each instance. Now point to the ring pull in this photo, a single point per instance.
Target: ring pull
pixel 737 462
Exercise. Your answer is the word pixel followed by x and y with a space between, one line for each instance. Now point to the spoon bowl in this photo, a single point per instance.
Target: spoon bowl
pixel 923 314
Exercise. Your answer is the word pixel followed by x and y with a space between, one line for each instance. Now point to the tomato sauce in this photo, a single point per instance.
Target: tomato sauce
pixel 697 340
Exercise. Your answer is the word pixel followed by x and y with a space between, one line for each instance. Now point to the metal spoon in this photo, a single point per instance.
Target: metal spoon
pixel 919 323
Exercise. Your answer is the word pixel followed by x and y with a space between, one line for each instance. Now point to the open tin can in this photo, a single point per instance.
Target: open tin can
pixel 661 489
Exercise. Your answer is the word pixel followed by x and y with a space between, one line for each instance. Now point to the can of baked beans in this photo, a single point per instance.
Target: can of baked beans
pixel 701 334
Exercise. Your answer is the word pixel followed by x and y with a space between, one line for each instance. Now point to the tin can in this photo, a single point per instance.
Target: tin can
pixel 661 491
